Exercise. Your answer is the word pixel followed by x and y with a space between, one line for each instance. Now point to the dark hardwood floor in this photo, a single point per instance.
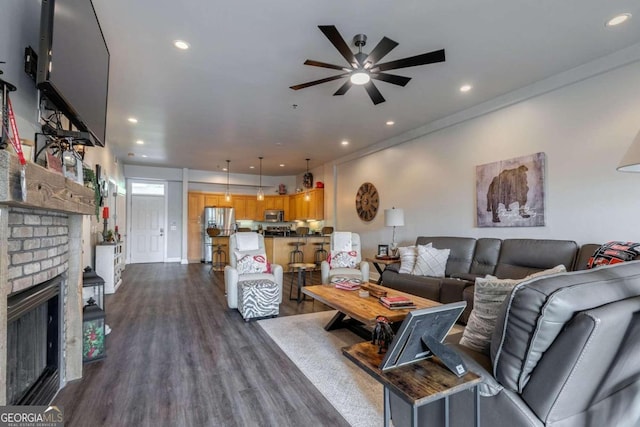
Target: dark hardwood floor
pixel 177 356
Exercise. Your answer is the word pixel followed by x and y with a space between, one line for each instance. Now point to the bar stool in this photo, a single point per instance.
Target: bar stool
pixel 321 253
pixel 296 255
pixel 218 255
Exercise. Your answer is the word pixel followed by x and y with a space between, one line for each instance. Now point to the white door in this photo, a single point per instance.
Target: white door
pixel 147 233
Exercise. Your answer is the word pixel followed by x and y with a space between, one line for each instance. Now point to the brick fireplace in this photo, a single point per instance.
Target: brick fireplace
pixel 43 236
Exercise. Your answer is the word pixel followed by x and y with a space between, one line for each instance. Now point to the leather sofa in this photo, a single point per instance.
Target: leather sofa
pixel 470 258
pixel 564 353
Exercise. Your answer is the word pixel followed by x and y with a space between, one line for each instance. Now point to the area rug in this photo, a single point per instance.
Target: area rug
pixel 317 353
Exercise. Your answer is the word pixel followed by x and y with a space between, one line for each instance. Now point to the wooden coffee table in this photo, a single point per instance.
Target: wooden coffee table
pixel 362 312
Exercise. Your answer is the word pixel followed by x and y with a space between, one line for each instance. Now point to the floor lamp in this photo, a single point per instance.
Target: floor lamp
pixel 631 160
pixel 394 218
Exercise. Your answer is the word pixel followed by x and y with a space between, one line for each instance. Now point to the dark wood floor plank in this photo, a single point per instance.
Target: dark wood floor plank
pixel 177 356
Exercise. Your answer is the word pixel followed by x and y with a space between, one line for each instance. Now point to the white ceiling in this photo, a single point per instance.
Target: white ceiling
pixel 228 96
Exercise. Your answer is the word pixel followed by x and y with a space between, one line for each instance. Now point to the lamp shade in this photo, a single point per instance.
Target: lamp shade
pixel 631 160
pixel 394 217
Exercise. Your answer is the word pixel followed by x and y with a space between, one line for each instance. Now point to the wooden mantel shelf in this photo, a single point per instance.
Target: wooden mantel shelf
pixel 45 189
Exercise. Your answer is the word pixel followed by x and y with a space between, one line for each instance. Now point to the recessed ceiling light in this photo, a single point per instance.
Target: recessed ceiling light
pixel 390 123
pixel 345 142
pixel 132 120
pixel 139 142
pixel 281 165
pixel 252 167
pixel 144 155
pixel 618 19
pixel 224 169
pixel 465 88
pixel 181 44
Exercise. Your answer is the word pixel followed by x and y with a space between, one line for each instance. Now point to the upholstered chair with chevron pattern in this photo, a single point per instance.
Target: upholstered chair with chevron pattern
pixel 248 262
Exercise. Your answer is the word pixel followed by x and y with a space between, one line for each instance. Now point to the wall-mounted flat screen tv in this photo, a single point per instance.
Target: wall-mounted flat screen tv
pixel 73 64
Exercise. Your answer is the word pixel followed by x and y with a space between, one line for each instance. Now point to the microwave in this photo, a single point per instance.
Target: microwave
pixel 273 215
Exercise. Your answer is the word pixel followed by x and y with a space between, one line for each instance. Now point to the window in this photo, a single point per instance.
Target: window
pixel 146 188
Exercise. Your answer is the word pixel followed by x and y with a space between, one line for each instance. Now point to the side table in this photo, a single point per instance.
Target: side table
pixel 377 262
pixel 417 384
pixel 301 268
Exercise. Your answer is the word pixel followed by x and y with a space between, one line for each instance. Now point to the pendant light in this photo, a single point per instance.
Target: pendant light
pixel 227 194
pixel 307 195
pixel 260 192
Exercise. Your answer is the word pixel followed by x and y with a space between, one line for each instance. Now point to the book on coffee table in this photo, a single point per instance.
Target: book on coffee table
pixel 346 283
pixel 397 302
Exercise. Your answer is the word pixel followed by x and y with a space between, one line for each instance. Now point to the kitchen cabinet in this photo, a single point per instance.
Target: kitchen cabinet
pixel 316 204
pixel 311 209
pixel 276 202
pixel 239 203
pixel 213 200
pixel 194 226
pixel 254 208
pixel 109 265
pixel 195 206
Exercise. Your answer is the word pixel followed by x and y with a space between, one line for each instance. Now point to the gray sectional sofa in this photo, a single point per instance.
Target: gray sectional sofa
pixel 470 258
pixel 564 352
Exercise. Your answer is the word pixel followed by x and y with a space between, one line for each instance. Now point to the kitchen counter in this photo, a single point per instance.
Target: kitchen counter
pixel 278 248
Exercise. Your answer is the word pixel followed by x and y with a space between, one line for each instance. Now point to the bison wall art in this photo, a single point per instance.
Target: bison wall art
pixel 510 193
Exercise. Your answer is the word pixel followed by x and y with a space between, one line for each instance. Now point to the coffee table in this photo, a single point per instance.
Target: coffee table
pixel 362 312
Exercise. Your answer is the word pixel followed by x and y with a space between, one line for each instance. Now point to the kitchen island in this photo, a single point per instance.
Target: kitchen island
pixel 278 248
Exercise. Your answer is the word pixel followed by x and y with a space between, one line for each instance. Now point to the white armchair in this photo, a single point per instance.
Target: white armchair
pixel 341 242
pixel 246 242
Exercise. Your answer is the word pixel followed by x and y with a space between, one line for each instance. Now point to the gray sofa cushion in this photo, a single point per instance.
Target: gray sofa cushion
pixel 461 255
pixel 422 286
pixel 522 257
pixel 486 256
pixel 580 364
pixel 538 309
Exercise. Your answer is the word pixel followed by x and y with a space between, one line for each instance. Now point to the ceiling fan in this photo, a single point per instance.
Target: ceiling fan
pixel 362 67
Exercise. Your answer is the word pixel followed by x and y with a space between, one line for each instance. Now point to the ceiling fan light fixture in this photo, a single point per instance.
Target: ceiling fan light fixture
pixel 360 78
pixel 618 19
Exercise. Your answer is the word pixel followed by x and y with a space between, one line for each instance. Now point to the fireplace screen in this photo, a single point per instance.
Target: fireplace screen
pixel 32 344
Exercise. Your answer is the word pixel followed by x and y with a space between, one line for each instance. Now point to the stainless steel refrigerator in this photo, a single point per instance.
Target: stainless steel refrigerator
pixel 222 218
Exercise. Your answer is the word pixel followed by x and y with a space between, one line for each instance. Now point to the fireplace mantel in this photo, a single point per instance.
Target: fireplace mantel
pixel 45 189
pixel 54 205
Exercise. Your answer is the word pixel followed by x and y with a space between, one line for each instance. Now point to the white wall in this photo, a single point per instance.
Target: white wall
pixel 584 129
pixel 19 28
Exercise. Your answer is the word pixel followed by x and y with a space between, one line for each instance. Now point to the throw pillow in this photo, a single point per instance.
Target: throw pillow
pixel 248 262
pixel 431 261
pixel 408 256
pixel 488 296
pixel 614 253
pixel 343 259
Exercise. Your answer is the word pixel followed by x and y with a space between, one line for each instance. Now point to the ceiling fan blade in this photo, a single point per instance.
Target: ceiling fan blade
pixel 385 46
pixel 336 39
pixel 391 78
pixel 374 93
pixel 344 88
pixel 317 82
pixel 324 65
pixel 412 61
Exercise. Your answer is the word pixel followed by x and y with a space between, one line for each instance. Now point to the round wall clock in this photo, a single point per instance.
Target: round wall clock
pixel 367 201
